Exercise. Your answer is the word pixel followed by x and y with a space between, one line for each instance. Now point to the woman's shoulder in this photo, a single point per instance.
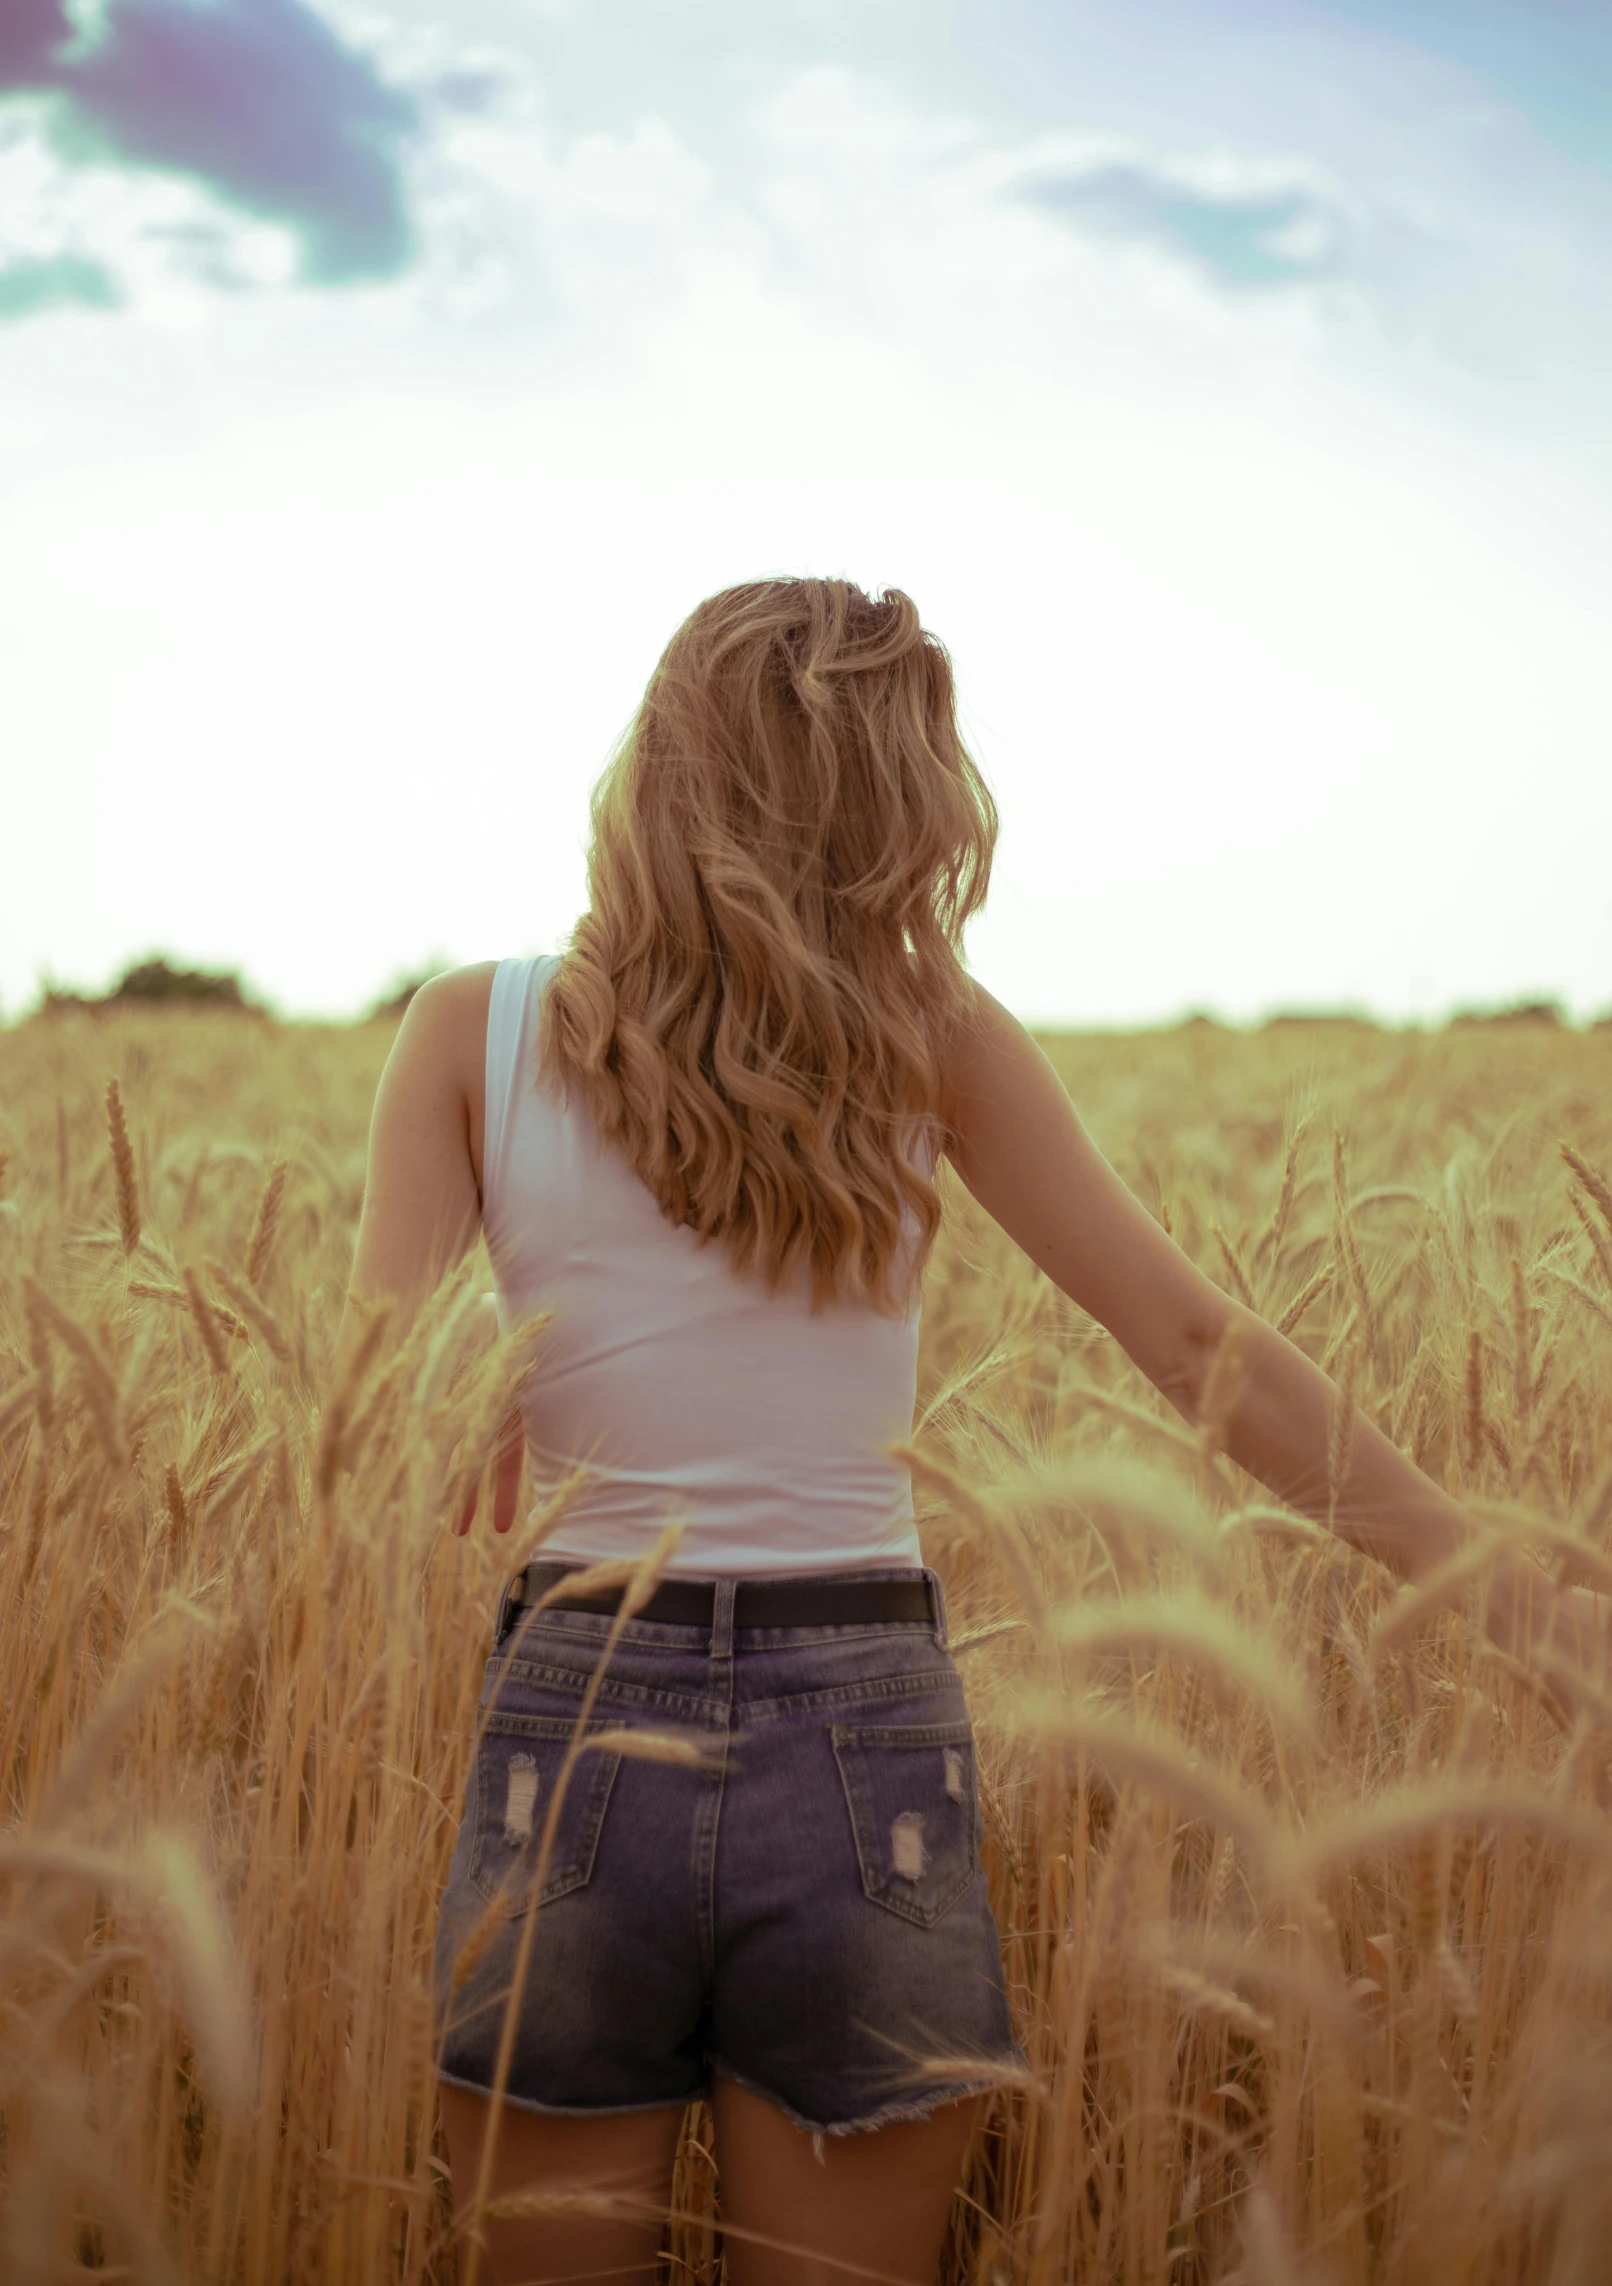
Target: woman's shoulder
pixel 445 1030
pixel 445 1022
pixel 454 993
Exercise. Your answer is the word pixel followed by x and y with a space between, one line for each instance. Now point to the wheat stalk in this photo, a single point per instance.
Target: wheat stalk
pixel 1475 1439
pixel 1346 1241
pixel 1235 1266
pixel 96 1377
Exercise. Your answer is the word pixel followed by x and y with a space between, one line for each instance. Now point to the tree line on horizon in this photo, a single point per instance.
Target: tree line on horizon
pixel 155 981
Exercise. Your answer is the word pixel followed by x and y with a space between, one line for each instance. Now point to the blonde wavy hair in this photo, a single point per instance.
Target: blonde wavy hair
pixel 787 843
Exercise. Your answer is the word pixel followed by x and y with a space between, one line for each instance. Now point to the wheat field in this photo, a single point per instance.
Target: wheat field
pixel 1304 1893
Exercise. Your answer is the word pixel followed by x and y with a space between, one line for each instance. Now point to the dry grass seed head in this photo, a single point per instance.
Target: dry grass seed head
pixel 1406 1816
pixel 1153 1758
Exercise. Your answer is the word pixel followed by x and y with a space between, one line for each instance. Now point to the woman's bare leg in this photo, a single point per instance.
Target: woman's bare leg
pixel 875 2203
pixel 625 2158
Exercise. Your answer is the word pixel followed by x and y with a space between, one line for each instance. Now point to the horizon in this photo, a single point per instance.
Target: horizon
pixel 179 991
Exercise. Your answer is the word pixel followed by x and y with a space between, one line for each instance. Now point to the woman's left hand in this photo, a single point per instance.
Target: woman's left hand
pixel 1561 1633
pixel 511 1451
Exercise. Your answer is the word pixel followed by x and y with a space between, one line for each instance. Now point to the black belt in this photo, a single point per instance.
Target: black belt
pixel 756 1603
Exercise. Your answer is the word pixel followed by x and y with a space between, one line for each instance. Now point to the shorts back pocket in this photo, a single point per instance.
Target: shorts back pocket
pixel 914 1810
pixel 518 1766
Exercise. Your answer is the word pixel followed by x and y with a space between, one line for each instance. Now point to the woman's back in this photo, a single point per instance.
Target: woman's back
pixel 687 1389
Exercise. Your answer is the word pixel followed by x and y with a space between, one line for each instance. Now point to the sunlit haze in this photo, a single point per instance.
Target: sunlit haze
pixel 1228 383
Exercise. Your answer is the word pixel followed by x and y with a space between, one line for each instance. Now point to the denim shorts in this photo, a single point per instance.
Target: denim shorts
pixel 800 1905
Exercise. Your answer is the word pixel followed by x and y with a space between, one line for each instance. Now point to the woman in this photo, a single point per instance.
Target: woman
pixel 706 1139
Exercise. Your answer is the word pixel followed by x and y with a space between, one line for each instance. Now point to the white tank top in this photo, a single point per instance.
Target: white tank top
pixel 685 1389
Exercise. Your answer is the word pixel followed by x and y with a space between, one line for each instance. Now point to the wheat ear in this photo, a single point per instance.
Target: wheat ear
pixel 123 1169
pixel 1594 1182
pixel 173 1493
pixel 207 1324
pixel 265 1223
pixel 1340 1441
pixel 1234 1263
pixel 1474 1400
pixel 1598 1244
pixel 1284 1205
pixel 1296 1309
pixel 254 1314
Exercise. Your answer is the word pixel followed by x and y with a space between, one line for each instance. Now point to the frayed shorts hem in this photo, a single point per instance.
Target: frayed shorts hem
pixel 883 2115
pixel 569 2110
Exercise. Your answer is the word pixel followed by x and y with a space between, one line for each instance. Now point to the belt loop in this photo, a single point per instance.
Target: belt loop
pixel 722 1618
pixel 937 1596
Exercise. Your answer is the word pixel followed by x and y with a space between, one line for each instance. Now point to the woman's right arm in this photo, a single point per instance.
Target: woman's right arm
pixel 1020 1148
pixel 1023 1153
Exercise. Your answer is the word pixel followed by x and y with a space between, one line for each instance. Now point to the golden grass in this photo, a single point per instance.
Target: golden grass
pixel 1304 1894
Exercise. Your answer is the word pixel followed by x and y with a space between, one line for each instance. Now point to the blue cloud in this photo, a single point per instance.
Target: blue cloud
pixel 1553 63
pixel 30 33
pixel 258 99
pixel 467 90
pixel 29 286
pixel 1265 239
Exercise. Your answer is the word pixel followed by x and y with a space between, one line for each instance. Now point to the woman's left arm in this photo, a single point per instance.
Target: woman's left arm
pixel 422 1201
pixel 422 1190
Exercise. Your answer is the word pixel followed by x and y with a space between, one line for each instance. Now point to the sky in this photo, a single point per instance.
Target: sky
pixel 1228 381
